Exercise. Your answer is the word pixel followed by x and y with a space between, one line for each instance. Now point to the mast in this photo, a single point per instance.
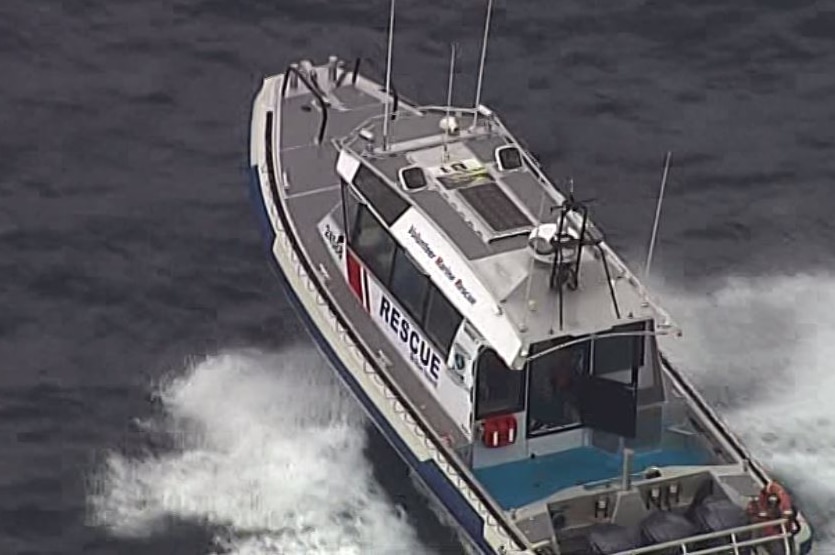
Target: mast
pixel 449 102
pixel 657 214
pixel 481 64
pixel 386 106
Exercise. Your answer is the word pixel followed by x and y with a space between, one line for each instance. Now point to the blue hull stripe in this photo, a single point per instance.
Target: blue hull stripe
pixel 428 471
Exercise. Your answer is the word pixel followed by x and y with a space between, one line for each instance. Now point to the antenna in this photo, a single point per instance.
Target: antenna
pixel 528 307
pixel 388 79
pixel 657 214
pixel 481 64
pixel 449 125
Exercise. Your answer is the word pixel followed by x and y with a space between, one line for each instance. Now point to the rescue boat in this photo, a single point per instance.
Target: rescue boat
pixel 490 332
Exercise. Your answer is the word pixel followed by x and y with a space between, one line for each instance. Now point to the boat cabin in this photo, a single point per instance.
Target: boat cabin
pixel 525 327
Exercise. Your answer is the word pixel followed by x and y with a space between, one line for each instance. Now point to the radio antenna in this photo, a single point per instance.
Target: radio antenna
pixel 386 107
pixel 528 306
pixel 481 63
pixel 450 127
pixel 657 214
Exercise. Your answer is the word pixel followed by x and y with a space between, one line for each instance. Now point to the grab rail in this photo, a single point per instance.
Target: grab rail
pixel 732 533
pixel 314 91
pixel 392 91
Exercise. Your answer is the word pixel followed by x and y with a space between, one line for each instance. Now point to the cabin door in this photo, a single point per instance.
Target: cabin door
pixel 609 391
pixel 609 405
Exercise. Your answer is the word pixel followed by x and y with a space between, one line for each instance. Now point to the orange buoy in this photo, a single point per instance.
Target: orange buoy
pixel 773 503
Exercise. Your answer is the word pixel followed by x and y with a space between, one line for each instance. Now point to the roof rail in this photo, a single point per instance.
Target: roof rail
pixel 394 95
pixel 702 545
pixel 315 92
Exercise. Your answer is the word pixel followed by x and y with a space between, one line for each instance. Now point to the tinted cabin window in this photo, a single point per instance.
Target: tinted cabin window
pixel 373 244
pixel 350 208
pixel 616 358
pixel 385 200
pixel 510 157
pixel 442 320
pixel 408 284
pixel 556 381
pixel 414 178
pixel 500 390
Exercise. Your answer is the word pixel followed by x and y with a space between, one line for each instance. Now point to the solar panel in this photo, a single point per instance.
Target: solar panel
pixel 495 207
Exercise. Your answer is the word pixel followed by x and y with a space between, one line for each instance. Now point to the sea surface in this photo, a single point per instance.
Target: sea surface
pixel 157 393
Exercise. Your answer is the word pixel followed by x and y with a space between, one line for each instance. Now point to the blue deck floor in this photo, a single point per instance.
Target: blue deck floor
pixel 522 482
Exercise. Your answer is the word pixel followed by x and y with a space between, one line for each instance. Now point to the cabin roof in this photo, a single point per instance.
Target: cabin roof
pixel 479 215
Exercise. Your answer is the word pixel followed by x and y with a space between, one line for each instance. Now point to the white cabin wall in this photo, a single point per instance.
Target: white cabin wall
pixel 453 394
pixel 389 316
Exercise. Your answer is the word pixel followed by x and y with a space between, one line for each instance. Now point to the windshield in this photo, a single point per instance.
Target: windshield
pixel 499 390
pixel 554 386
pixel 591 382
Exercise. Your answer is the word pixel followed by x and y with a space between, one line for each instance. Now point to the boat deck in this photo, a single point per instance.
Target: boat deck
pixel 519 483
pixel 311 191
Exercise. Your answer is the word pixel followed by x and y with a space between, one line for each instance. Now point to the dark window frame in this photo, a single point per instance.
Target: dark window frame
pixel 384 199
pixel 584 343
pixel 638 349
pixel 444 346
pixel 362 207
pixel 401 254
pixel 364 211
pixel 349 221
pixel 609 406
pixel 519 404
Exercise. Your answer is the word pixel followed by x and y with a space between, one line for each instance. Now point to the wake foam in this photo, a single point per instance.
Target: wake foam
pixel 265 449
pixel 762 351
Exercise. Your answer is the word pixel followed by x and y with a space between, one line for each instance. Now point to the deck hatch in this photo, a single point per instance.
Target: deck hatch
pixel 495 207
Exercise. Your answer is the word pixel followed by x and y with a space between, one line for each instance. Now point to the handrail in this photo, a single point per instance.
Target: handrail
pixel 314 91
pixel 393 90
pixel 731 533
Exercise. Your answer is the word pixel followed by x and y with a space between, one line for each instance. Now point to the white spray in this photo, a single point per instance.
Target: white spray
pixel 269 449
pixel 763 351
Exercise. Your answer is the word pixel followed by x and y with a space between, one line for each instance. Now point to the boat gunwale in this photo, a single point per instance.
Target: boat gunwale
pixel 505 524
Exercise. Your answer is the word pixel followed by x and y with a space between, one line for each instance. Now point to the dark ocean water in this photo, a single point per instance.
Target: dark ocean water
pixel 157 395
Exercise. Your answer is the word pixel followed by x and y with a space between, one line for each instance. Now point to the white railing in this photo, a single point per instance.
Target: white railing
pixel 733 545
